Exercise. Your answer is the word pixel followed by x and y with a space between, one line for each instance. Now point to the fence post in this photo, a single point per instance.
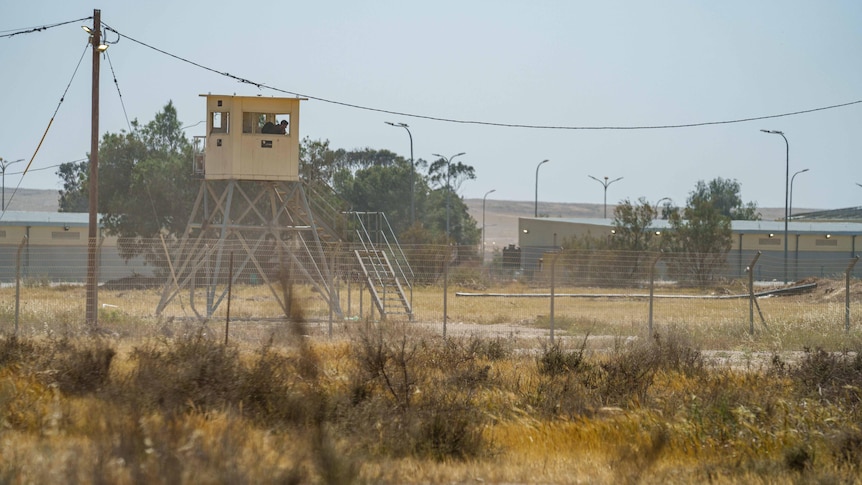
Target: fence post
pixel 333 294
pixel 651 289
pixel 750 270
pixel 447 254
pixel 847 293
pixel 229 292
pixel 18 283
pixel 553 267
pixel 361 311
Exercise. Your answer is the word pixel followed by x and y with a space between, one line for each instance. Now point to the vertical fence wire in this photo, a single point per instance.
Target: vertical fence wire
pixel 589 290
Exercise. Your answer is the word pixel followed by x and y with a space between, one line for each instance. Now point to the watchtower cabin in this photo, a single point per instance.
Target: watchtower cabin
pixel 252 201
pixel 249 138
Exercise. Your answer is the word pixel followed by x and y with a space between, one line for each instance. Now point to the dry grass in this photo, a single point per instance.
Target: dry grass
pixel 156 400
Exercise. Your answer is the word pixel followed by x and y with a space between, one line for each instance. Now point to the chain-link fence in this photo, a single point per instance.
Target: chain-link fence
pixel 429 284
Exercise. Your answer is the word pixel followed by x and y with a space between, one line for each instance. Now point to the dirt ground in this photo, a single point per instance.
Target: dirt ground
pixel 831 289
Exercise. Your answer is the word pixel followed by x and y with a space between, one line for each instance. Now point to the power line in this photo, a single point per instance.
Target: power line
pixel 30 30
pixel 123 104
pixel 50 122
pixel 47 167
pixel 485 123
pixel 260 85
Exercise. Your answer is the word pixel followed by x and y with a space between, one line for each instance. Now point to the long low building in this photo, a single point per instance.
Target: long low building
pixel 53 246
pixel 814 249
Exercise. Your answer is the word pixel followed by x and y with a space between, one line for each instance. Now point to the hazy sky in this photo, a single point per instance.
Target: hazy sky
pixel 570 64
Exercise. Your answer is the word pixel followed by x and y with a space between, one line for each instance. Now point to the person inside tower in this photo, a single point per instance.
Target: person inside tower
pixel 273 129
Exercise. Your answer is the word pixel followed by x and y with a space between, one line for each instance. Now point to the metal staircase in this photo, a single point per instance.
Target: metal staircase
pixel 383 265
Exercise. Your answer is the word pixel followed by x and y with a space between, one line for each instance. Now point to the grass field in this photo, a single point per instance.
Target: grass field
pixel 146 399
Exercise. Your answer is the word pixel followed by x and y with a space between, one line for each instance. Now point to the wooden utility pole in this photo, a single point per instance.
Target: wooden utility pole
pixel 92 246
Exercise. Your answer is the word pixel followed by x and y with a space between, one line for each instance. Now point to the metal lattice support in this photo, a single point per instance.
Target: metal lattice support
pixel 271 226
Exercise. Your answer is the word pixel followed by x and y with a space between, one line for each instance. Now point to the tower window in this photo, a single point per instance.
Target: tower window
pixel 266 123
pixel 219 121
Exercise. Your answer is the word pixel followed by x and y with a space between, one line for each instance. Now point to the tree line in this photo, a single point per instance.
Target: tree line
pixel 698 235
pixel 147 188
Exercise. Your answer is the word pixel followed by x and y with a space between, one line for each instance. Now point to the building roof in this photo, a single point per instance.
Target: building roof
pixel 759 227
pixel 33 218
pixel 849 214
pixel 738 227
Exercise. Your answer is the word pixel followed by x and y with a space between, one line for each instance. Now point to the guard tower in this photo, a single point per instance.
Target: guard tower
pixel 252 214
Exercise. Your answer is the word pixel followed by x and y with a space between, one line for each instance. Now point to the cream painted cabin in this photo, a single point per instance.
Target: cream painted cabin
pixel 235 146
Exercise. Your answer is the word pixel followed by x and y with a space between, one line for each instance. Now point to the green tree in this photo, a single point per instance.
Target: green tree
pixel 724 195
pixel 447 179
pixel 74 197
pixel 146 187
pixel 318 164
pixel 633 226
pixel 379 188
pixel 457 174
pixel 632 240
pixel 699 240
pixel 380 181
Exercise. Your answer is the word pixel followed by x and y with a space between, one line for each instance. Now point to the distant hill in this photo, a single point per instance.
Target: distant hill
pixel 32 200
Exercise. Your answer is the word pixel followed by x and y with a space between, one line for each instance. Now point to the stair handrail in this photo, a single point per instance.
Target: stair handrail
pixel 400 257
pixel 390 241
pixel 368 245
pixel 328 215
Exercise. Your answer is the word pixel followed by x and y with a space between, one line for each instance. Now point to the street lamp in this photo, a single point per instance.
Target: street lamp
pixel 448 189
pixel 412 171
pixel 3 165
pixel 605 183
pixel 786 194
pixel 536 207
pixel 483 223
pixel 790 204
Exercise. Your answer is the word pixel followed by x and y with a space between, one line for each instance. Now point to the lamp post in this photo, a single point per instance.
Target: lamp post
pixel 448 189
pixel 605 184
pixel 536 206
pixel 790 204
pixel 412 171
pixel 3 165
pixel 786 193
pixel 483 222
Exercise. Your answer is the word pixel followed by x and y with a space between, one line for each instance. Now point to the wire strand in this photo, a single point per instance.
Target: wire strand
pixel 486 123
pixel 30 30
pixel 48 128
pixel 122 103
